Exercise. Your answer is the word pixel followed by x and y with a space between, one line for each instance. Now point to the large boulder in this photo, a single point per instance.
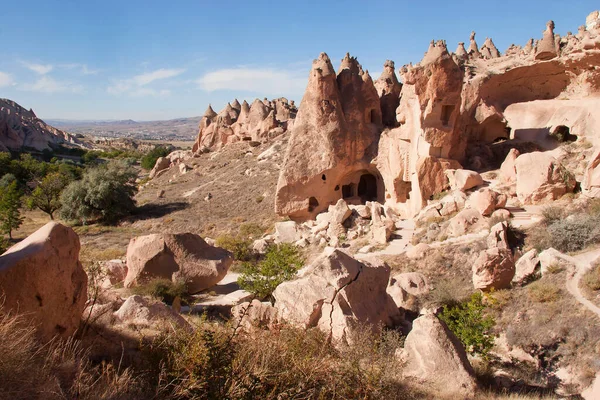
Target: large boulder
pixel 494 268
pixel 287 232
pixel 178 257
pixel 162 163
pixel 466 221
pixel 486 201
pixel 498 236
pixel 463 179
pixel 254 314
pixel 337 292
pixel 526 266
pixel 508 171
pixel 434 355
pixel 541 177
pixel 43 278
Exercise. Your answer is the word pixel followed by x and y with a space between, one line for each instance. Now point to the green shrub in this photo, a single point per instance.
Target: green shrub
pixel 241 248
pixel 470 324
pixel 163 289
pixel 149 160
pixel 251 230
pixel 280 263
pixel 104 194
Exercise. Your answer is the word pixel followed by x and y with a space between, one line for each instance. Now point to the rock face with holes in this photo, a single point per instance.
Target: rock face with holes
pixel 541 177
pixel 434 355
pixel 42 278
pixel 332 143
pixel 259 122
pixel 177 257
pixel 337 292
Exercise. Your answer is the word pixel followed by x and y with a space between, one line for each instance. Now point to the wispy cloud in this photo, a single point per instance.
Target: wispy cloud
pixel 82 68
pixel 271 81
pixel 6 79
pixel 136 86
pixel 46 84
pixel 41 69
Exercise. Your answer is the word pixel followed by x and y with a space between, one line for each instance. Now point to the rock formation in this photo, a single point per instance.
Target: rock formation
pixel 260 122
pixel 337 292
pixel 21 129
pixel 42 278
pixel 452 109
pixel 178 257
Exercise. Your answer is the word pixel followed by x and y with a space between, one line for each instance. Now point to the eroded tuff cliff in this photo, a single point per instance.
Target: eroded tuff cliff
pixel 345 144
pixel 259 122
pixel 21 129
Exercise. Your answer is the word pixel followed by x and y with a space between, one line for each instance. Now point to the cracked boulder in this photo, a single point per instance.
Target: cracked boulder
pixel 336 293
pixel 43 278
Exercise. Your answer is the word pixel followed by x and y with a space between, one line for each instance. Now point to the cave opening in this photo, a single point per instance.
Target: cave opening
pixel 312 204
pixel 367 188
pixel 348 190
pixel 562 133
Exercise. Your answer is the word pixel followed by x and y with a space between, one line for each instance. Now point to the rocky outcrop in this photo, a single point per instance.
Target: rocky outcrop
pixel 508 169
pixel 486 201
pixel 260 122
pixel 493 269
pixel 21 129
pixel 42 278
pixel 178 257
pixel 406 288
pixel 388 88
pixel 463 179
pixel 541 177
pixel 546 48
pixel 434 355
pixel 337 292
pixel 332 142
pixel 140 311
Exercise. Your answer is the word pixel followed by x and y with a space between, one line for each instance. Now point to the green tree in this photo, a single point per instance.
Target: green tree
pixel 46 196
pixel 105 194
pixel 149 160
pixel 280 264
pixel 470 324
pixel 10 203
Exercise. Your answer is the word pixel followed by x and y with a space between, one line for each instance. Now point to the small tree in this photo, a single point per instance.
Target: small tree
pixel 46 196
pixel 10 203
pixel 105 194
pixel 470 324
pixel 280 264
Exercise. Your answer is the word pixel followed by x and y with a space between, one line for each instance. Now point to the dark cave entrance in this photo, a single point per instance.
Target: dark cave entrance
pixel 367 188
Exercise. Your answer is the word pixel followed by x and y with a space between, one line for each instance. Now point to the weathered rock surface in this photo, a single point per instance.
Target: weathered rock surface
pixel 463 179
pixel 526 266
pixel 591 178
pixel 466 221
pixel 335 293
pixel 494 268
pixel 43 278
pixel 140 311
pixel 508 170
pixel 434 355
pixel 162 163
pixel 178 257
pixel 486 201
pixel 405 289
pixel 541 177
pixel 254 314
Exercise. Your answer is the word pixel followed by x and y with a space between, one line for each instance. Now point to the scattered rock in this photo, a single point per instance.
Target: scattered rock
pixel 494 268
pixel 541 177
pixel 287 232
pixel 508 169
pixel 526 267
pixel 463 179
pixel 405 289
pixel 486 201
pixel 468 220
pixel 139 311
pixel 498 236
pixel 162 163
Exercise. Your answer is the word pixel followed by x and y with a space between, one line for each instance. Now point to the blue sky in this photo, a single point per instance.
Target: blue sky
pixel 150 60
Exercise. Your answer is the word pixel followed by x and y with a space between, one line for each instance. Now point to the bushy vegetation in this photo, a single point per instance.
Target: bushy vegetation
pixel 149 160
pixel 592 278
pixel 163 289
pixel 214 362
pixel 543 291
pixel 46 196
pixel 10 203
pixel 279 264
pixel 471 324
pixel 241 248
pixel 104 194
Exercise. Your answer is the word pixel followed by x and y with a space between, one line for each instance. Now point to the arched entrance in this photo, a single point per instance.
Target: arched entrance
pixel 367 188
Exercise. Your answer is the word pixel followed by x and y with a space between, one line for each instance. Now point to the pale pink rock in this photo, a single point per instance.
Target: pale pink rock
pixel 508 169
pixel 494 268
pixel 498 236
pixel 140 311
pixel 591 178
pixel 162 163
pixel 466 221
pixel 463 179
pixel 541 177
pixel 42 278
pixel 434 355
pixel 335 293
pixel 486 201
pixel 526 266
pixel 405 288
pixel 254 314
pixel 178 257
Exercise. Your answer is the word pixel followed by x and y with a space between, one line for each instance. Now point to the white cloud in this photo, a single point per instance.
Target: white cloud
pixel 136 86
pixel 83 68
pixel 46 84
pixel 41 69
pixel 162 73
pixel 269 81
pixel 5 79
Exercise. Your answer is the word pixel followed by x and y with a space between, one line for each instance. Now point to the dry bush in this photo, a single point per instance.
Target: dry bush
pixel 552 214
pixel 591 279
pixel 56 370
pixel 543 291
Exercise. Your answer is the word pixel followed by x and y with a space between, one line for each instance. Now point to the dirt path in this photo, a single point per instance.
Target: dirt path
pixel 582 264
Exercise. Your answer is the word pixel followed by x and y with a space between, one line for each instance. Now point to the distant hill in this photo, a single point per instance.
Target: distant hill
pixel 21 129
pixel 179 129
